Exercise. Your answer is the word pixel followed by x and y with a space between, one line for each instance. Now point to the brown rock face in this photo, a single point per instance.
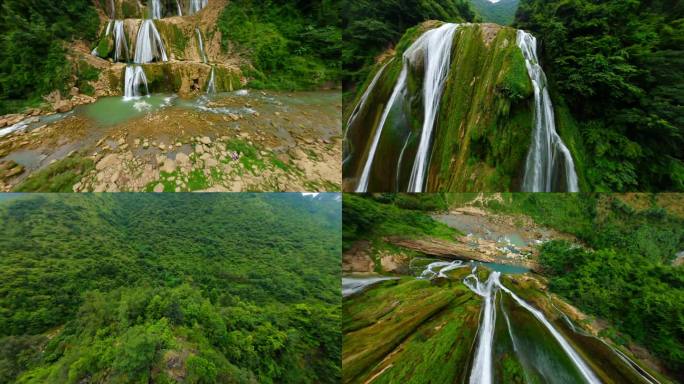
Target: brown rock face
pixel 357 259
pixel 62 106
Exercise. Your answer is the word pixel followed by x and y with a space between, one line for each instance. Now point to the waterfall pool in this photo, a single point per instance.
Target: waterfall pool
pixel 251 139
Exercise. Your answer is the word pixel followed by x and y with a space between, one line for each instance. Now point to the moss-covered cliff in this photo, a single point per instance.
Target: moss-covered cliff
pixel 482 133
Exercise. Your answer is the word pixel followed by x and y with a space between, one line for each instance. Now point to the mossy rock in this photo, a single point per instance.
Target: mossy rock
pixel 175 39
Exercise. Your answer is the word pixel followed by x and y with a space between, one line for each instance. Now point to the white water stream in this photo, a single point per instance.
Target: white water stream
pixel 149 45
pixel 547 148
pixel 211 86
pixel 196 6
pixel 434 47
pixel 201 45
pixel 135 78
pixel 120 44
pixel 156 9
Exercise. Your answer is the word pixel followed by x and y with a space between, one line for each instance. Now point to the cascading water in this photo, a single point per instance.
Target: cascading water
pixel 481 373
pixel 149 45
pixel 135 78
pixel 180 9
pixel 547 148
pixel 112 10
pixel 120 43
pixel 435 48
pixel 196 6
pixel 211 85
pixel 201 45
pixel 399 88
pixel 156 9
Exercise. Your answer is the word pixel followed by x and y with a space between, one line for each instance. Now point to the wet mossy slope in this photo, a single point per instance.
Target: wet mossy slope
pixel 483 130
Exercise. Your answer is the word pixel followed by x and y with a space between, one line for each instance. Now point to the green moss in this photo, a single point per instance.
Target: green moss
pixel 174 38
pixel 483 129
pixel 433 325
pixel 58 177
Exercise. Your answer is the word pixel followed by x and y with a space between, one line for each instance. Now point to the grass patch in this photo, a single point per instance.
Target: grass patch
pixel 58 177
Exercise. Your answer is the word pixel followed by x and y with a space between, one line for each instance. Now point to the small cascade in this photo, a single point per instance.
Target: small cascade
pixel 135 78
pixel 112 10
pixel 482 370
pixel 362 103
pixel 120 43
pixel 548 154
pixel 201 46
pixel 149 45
pixel 196 6
pixel 211 85
pixel 435 48
pixel 109 27
pixel 156 9
pixel 481 373
pixel 431 51
pixel 180 9
pixel 399 89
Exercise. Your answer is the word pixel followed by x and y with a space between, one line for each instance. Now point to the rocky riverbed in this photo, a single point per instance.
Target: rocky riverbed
pixel 238 141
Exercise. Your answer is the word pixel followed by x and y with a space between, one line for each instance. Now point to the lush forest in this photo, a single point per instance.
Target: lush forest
pixel 292 44
pixel 619 66
pixel 621 271
pixel 502 12
pixel 33 58
pixel 370 27
pixel 206 288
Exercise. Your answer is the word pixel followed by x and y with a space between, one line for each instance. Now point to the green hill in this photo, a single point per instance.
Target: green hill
pixel 124 288
pixel 502 12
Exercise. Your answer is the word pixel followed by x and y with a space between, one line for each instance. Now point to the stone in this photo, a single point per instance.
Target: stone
pixel 182 159
pixel 205 140
pixel 199 148
pixel 121 141
pixel 136 142
pixel 123 147
pixel 109 161
pixel 263 153
pixel 297 154
pixel 74 91
pixel 146 145
pixel 169 166
pixel 159 188
pixel 211 163
pixel 63 106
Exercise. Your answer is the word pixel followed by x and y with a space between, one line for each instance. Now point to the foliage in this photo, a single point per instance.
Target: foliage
pixel 600 281
pixel 370 27
pixel 502 12
pixel 32 36
pixel 204 288
pixel 375 216
pixel 58 177
pixel 619 66
pixel 292 44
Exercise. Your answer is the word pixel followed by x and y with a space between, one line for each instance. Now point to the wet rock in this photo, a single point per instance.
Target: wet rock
pixel 63 106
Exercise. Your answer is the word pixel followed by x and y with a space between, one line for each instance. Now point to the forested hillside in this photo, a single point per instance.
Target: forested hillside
pixel 501 12
pixel 229 288
pixel 369 27
pixel 619 66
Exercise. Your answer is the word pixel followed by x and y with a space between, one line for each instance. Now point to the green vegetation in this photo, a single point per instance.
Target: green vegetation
pixel 618 66
pixel 428 328
pixel 502 12
pixel 201 288
pixel 33 34
pixel 370 27
pixel 627 276
pixel 58 177
pixel 291 44
pixel 374 216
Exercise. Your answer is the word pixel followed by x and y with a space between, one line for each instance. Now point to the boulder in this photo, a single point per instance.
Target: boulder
pixel 63 106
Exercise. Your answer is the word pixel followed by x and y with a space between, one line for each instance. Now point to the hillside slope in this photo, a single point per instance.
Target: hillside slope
pixel 240 288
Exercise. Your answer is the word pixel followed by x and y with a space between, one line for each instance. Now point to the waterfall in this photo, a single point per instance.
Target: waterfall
pixel 149 45
pixel 120 43
pixel 112 10
pixel 547 147
pixel 201 45
pixel 109 27
pixel 361 104
pixel 180 10
pixel 211 86
pixel 196 6
pixel 435 48
pixel 156 9
pixel 398 89
pixel 135 78
pixel 481 373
